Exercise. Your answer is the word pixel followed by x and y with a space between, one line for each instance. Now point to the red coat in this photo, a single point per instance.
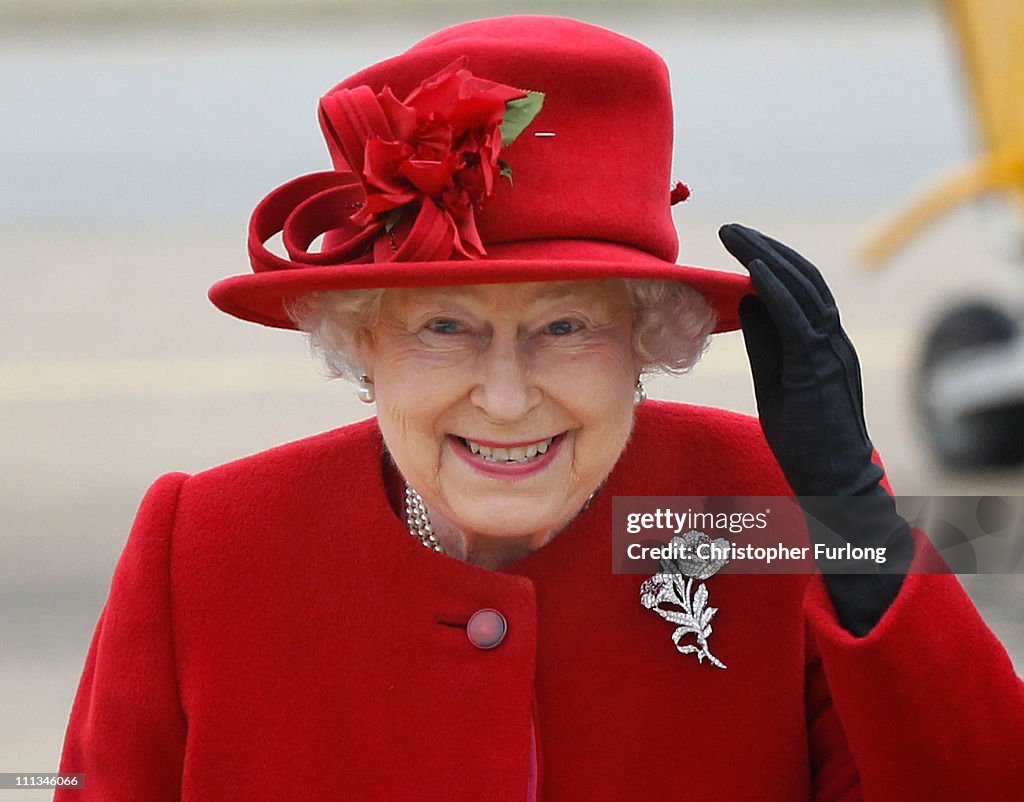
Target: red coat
pixel 273 632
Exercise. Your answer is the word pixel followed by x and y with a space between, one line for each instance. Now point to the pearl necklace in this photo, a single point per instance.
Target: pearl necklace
pixel 418 522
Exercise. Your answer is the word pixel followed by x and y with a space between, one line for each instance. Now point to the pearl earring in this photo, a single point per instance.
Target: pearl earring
pixel 364 390
pixel 639 394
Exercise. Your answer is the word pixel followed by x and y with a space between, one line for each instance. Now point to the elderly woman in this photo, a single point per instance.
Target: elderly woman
pixel 497 273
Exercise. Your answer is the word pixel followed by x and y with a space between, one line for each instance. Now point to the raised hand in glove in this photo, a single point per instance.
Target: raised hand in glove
pixel 810 402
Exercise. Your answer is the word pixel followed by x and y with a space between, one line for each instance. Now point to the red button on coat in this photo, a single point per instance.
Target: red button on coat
pixel 486 628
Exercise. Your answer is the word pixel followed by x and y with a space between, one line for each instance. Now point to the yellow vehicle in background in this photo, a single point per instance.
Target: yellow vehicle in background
pixel 970 384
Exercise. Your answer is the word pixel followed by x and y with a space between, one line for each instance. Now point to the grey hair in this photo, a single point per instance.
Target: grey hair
pixel 672 325
pixel 332 321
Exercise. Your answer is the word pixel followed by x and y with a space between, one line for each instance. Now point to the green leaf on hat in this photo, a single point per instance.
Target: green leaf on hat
pixel 519 113
pixel 506 170
pixel 392 219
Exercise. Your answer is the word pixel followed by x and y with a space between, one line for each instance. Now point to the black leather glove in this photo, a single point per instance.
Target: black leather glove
pixel 810 402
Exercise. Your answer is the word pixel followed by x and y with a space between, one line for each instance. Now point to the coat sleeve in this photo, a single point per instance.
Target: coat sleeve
pixel 126 731
pixel 929 703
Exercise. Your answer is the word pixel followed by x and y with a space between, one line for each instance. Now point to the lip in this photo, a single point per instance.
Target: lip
pixel 496 470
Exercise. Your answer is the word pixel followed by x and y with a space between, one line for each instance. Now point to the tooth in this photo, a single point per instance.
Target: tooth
pixel 499 454
pixel 473 446
pixel 531 451
pixel 517 453
pixel 485 452
pixel 543 447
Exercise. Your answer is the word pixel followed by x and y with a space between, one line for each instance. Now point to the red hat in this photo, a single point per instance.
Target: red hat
pixel 513 149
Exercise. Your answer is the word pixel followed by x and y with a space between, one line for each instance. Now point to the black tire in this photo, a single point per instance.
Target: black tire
pixel 988 438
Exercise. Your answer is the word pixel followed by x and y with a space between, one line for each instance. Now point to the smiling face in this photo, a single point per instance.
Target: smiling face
pixel 504 406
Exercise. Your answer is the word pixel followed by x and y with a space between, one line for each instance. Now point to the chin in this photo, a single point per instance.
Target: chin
pixel 507 518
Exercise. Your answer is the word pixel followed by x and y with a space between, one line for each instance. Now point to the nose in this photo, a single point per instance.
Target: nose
pixel 505 390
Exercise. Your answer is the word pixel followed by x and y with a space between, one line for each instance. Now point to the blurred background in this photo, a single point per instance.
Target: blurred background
pixel 137 137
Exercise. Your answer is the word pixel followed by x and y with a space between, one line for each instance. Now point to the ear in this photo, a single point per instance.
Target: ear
pixel 365 351
pixel 640 366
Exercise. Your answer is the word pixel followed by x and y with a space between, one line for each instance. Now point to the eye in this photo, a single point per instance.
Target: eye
pixel 560 328
pixel 446 325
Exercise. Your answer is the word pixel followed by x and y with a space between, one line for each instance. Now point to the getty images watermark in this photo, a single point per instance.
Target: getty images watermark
pixel 770 534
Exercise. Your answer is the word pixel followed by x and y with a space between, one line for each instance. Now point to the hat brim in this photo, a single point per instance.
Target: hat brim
pixel 261 297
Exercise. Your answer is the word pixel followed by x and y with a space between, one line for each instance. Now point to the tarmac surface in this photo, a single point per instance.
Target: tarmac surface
pixel 133 157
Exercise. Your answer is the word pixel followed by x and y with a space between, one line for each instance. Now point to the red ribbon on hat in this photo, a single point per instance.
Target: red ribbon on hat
pixel 409 174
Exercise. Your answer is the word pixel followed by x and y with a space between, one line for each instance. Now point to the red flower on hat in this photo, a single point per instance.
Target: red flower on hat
pixel 438 148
